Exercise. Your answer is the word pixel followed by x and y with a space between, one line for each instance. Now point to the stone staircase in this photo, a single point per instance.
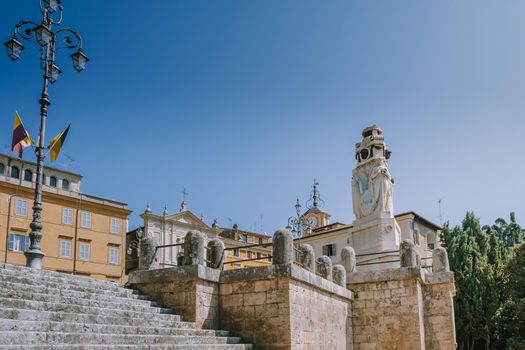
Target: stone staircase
pixel 49 310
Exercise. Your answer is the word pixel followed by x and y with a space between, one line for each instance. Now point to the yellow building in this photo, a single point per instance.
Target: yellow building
pixel 244 248
pixel 82 234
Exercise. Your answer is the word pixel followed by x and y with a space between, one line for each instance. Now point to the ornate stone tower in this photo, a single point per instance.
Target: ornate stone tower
pixel 375 231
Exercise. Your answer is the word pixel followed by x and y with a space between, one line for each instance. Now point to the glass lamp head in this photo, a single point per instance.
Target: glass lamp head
pixel 79 60
pixel 43 34
pixel 14 49
pixel 54 72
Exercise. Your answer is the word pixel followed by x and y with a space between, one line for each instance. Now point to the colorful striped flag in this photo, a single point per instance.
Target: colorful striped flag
pixel 56 144
pixel 21 138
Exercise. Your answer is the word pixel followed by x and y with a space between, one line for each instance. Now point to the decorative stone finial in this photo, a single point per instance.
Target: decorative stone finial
pixel 183 204
pixel 148 209
pixel 282 247
pixel 194 248
pixel 324 267
pixel 307 257
pixel 165 212
pixel 148 253
pixel 348 259
pixel 440 260
pixel 339 275
pixel 215 224
pixel 408 254
pixel 215 254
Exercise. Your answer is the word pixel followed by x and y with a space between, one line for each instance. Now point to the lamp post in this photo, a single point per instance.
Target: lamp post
pixel 298 225
pixel 48 42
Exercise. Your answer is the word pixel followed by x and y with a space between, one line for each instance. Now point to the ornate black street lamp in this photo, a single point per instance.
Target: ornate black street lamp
pixel 299 225
pixel 49 42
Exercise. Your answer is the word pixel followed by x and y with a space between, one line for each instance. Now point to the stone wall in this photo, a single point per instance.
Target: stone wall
pixel 191 291
pixel 405 308
pixel 285 307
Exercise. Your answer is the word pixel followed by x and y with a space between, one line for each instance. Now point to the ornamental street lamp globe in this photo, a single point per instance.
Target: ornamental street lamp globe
pixel 79 60
pixel 43 34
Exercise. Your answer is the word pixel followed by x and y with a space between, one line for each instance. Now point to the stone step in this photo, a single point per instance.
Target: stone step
pixel 151 321
pixel 50 338
pixel 80 294
pixel 81 309
pixel 69 327
pixel 13 270
pixel 30 281
pixel 128 304
pixel 134 347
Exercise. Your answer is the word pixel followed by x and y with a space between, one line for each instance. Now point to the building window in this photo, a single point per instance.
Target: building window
pixel 65 248
pixel 260 241
pixel 236 252
pixel 15 172
pixel 244 238
pixel 52 181
pixel 18 243
pixel 86 220
pixel 83 251
pixel 329 250
pixel 21 207
pixel 258 255
pixel 65 184
pixel 115 225
pixel 250 254
pixel 2 168
pixel 28 175
pixel 113 255
pixel 67 216
pixel 431 240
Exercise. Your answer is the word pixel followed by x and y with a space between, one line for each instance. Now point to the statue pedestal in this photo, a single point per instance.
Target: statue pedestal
pixel 376 242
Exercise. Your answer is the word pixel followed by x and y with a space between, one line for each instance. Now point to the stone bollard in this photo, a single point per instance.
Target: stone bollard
pixel 282 247
pixel 215 254
pixel 148 254
pixel 440 260
pixel 324 267
pixel 408 254
pixel 339 275
pixel 307 257
pixel 194 248
pixel 348 259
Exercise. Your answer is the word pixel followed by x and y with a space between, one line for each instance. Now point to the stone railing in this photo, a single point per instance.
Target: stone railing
pixel 283 305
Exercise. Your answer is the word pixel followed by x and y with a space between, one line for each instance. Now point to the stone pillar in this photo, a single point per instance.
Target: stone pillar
pixel 215 254
pixel 307 257
pixel 282 247
pixel 324 267
pixel 408 254
pixel 148 254
pixel 348 259
pixel 194 248
pixel 339 275
pixel 440 260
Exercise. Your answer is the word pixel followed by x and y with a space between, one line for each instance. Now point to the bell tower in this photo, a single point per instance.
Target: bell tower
pixel 315 215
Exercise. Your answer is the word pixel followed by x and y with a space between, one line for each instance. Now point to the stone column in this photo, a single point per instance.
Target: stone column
pixel 324 267
pixel 215 254
pixel 408 254
pixel 282 247
pixel 194 248
pixel 307 257
pixel 348 259
pixel 148 254
pixel 339 275
pixel 440 260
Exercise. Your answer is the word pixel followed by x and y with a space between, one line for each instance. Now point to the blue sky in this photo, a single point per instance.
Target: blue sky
pixel 243 103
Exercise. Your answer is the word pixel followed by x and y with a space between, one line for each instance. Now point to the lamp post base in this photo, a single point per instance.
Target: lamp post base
pixel 34 258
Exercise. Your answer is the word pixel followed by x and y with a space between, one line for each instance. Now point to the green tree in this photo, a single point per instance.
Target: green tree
pixel 477 257
pixel 510 319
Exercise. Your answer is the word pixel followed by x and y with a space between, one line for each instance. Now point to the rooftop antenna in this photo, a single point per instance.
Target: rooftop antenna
pixel 68 165
pixel 440 213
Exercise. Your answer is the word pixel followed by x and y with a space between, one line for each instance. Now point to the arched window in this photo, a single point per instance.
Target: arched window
pixel 2 168
pixel 431 240
pixel 28 175
pixel 15 172
pixel 52 181
pixel 65 184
